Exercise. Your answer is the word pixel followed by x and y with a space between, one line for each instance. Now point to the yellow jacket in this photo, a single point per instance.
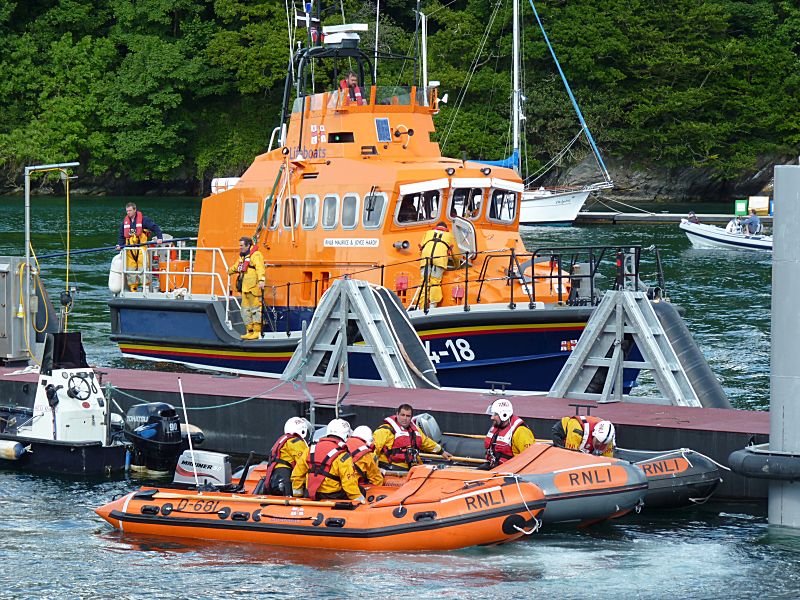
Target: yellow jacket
pixel 292 451
pixel 522 439
pixel 342 468
pixel 574 430
pixel 383 438
pixel 255 273
pixel 437 245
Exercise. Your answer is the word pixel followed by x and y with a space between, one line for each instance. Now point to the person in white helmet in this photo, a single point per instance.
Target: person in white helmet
pixel 284 456
pixel 326 470
pixel 508 435
pixel 398 441
pixel 362 451
pixel 587 434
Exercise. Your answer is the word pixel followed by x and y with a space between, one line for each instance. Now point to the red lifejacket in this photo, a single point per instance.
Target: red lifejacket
pixel 358 449
pixel 126 224
pixel 245 264
pixel 351 98
pixel 274 461
pixel 498 441
pixel 587 443
pixel 406 444
pixel 320 456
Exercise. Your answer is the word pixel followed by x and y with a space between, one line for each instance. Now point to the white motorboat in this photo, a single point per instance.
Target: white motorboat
pixel 710 236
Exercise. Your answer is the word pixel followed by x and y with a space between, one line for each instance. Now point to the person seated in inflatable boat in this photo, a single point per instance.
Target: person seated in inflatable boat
pixel 752 224
pixel 587 434
pixel 285 454
pixel 398 441
pixel 326 470
pixel 508 435
pixel 362 451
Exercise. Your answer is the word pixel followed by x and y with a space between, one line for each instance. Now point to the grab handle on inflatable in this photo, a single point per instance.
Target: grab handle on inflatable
pixel 264 501
pixel 465 459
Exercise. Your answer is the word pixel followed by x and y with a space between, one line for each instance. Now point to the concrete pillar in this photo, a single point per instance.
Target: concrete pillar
pixel 784 497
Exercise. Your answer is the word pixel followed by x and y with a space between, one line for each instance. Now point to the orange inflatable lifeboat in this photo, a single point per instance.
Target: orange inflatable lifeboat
pixel 435 509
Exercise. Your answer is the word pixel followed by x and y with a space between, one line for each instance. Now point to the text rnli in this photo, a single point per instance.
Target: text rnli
pixel 671 466
pixel 591 478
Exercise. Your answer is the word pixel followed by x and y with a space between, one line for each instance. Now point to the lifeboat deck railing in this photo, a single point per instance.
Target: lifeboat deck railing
pixel 572 275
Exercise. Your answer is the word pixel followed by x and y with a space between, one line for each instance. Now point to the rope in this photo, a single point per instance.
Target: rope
pixel 682 452
pixel 215 407
pixel 41 289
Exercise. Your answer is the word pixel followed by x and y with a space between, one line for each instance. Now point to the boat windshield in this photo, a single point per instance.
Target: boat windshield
pixel 380 95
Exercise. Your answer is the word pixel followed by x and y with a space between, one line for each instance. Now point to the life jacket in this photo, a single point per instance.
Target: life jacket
pixel 406 446
pixel 351 95
pixel 498 441
pixel 358 449
pixel 245 264
pixel 138 224
pixel 434 238
pixel 320 456
pixel 587 443
pixel 274 460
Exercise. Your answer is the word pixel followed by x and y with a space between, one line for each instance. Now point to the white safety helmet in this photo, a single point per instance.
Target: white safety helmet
pixel 502 408
pixel 340 428
pixel 363 432
pixel 604 434
pixel 296 425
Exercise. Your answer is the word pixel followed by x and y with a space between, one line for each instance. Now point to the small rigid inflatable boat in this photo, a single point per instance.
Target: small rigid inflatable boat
pixel 435 509
pixel 712 237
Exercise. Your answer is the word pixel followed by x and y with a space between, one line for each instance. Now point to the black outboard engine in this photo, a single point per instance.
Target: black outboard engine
pixel 154 429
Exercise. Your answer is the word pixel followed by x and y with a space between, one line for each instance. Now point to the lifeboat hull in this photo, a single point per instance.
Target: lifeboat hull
pixel 675 478
pixel 434 510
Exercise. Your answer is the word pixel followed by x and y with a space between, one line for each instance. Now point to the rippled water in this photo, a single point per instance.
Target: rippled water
pixel 53 546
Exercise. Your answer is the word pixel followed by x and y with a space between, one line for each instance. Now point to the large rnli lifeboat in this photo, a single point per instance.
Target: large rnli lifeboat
pixel 435 509
pixel 352 188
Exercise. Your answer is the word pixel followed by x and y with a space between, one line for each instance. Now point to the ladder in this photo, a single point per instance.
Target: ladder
pixel 352 309
pixel 601 347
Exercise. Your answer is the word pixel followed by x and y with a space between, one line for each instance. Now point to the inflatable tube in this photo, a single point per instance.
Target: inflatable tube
pixel 759 463
pixel 11 450
pixel 700 375
pixel 115 276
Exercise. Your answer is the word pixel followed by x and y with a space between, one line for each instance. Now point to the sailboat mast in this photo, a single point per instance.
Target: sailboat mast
pixel 515 94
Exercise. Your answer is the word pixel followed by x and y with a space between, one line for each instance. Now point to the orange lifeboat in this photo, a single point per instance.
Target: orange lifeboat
pixel 435 509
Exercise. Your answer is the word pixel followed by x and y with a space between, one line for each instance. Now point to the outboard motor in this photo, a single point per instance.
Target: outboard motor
pixel 212 469
pixel 427 423
pixel 154 429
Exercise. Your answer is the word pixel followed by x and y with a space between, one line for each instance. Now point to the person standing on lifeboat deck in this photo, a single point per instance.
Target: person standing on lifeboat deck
pixel 435 251
pixel 362 450
pixel 508 435
pixel 285 454
pixel 586 434
pixel 250 282
pixel 134 231
pixel 398 441
pixel 326 469
pixel 351 92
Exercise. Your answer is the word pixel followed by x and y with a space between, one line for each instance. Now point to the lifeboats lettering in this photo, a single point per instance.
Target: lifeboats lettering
pixel 351 242
pixel 589 478
pixel 206 506
pixel 665 467
pixel 592 477
pixel 485 500
pixel 296 151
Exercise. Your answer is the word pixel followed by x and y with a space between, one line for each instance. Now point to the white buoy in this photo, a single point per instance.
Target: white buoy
pixel 10 450
pixel 116 279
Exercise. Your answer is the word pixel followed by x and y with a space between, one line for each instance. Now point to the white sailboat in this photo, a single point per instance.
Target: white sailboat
pixel 540 205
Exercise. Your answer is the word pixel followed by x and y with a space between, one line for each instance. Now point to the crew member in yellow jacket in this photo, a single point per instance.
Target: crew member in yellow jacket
pixel 250 282
pixel 435 250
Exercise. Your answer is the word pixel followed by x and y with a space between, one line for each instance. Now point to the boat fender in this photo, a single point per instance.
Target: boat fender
pixel 765 465
pixel 240 516
pixel 334 522
pixel 166 509
pixel 115 277
pixel 224 513
pixel 150 509
pixel 318 520
pixel 10 450
pixel 399 512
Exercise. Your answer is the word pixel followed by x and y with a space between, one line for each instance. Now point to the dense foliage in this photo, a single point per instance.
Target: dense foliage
pixel 187 89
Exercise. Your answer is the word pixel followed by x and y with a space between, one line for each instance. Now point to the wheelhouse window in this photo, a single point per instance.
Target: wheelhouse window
pixel 276 210
pixel 503 206
pixel 374 209
pixel 350 211
pixel 290 212
pixel 420 207
pixel 466 203
pixel 330 211
pixel 310 212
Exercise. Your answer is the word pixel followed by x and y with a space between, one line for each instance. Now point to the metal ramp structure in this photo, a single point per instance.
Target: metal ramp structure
pixel 601 348
pixel 358 318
